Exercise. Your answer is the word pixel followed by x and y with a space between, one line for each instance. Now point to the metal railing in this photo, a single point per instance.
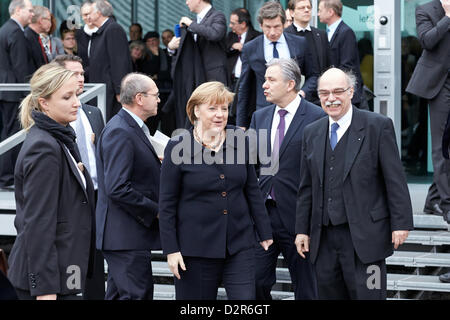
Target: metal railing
pixel 93 90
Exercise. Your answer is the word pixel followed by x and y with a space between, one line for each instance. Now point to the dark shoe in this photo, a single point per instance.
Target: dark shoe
pixel 433 209
pixel 445 277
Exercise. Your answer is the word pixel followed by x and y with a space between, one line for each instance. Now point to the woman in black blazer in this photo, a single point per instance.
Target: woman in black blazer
pixel 54 194
pixel 211 209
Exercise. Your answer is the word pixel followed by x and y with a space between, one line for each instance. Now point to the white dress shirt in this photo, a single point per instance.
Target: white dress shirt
pixel 89 134
pixel 238 67
pixel 81 175
pixel 282 47
pixel 291 108
pixel 300 29
pixel 344 124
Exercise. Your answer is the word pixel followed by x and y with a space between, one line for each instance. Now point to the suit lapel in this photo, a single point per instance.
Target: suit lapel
pixel 317 43
pixel 267 123
pixel 319 142
pixel 290 46
pixel 297 121
pixel 355 140
pixel 336 32
pixel 133 124
pixel 74 169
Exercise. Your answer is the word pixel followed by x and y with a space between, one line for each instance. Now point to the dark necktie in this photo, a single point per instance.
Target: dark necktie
pixel 333 138
pixel 279 137
pixel 275 51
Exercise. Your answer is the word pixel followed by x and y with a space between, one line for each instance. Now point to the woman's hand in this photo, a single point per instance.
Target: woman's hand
pixel 173 260
pixel 266 244
pixel 46 297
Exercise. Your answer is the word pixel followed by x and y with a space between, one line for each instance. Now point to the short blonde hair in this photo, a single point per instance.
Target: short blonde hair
pixel 213 92
pixel 45 82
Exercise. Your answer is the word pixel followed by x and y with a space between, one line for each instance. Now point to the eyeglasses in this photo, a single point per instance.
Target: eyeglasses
pixel 335 92
pixel 145 94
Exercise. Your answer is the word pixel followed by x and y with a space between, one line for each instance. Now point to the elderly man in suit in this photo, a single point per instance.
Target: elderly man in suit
pixel 88 127
pixel 14 68
pixel 350 233
pixel 40 23
pixel 431 80
pixel 343 45
pixel 128 184
pixel 273 44
pixel 316 38
pixel 109 56
pixel 284 122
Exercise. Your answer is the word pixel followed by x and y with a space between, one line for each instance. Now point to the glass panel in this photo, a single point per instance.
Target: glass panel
pixel 414 109
pixel 170 13
pixel 253 7
pixel 146 15
pixel 4 14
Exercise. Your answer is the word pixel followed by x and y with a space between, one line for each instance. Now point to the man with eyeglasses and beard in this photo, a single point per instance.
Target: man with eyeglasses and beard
pixel 353 203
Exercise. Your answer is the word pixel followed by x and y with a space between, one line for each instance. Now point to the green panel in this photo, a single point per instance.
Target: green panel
pixel 4 14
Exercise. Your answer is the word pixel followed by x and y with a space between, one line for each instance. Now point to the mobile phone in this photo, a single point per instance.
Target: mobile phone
pixel 177 31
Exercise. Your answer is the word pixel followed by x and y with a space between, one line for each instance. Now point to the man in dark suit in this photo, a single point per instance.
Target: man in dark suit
pixel 431 80
pixel 128 182
pixel 343 45
pixel 109 59
pixel 284 122
pixel 84 37
pixel 40 23
pixel 14 68
pixel 209 32
pixel 242 32
pixel 350 233
pixel 316 38
pixel 273 44
pixel 88 127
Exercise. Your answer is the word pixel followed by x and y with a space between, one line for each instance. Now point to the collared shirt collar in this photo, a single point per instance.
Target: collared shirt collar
pixel 104 22
pixel 299 29
pixel 204 12
pixel 135 117
pixel 334 26
pixel 292 107
pixel 20 25
pixel 88 30
pixel 344 122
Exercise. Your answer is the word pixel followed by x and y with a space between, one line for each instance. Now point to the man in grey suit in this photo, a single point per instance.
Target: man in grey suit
pixel 88 127
pixel 431 80
pixel 14 68
pixel 350 233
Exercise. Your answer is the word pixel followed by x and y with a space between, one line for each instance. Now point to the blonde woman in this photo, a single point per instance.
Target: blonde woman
pixel 211 213
pixel 54 194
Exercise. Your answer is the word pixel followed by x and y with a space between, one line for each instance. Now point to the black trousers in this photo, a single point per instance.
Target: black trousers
pixel 341 275
pixel 439 191
pixel 10 126
pixel 203 276
pixel 301 270
pixel 129 275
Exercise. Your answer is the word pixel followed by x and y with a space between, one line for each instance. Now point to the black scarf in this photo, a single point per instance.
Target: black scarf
pixel 66 135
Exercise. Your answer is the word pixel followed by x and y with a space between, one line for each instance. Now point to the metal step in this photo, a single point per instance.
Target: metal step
pixel 419 259
pixel 430 221
pixel 431 238
pixel 404 282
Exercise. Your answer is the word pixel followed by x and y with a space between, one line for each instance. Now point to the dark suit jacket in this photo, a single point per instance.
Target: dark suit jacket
pixel 211 34
pixel 376 196
pixel 39 58
pixel 95 118
pixel 233 55
pixel 14 59
pixel 54 218
pixel 128 172
pixel 253 61
pixel 110 59
pixel 82 50
pixel 446 139
pixel 209 210
pixel 286 179
pixel 345 56
pixel 433 67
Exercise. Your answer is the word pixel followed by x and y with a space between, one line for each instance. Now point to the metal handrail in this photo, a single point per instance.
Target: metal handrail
pixel 93 90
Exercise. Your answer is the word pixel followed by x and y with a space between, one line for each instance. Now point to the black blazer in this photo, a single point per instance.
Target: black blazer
pixel 286 177
pixel 110 59
pixel 211 34
pixel 95 118
pixel 54 217
pixel 376 196
pixel 128 171
pixel 14 59
pixel 345 56
pixel 233 55
pixel 433 67
pixel 209 210
pixel 446 139
pixel 39 58
pixel 82 50
pixel 254 62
